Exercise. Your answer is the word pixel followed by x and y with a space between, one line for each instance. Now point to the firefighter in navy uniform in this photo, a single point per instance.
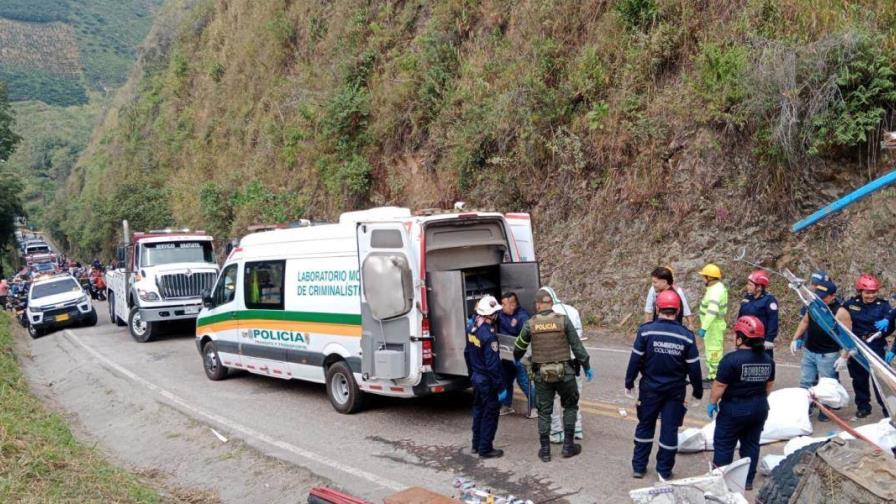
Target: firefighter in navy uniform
pixel 553 337
pixel 762 305
pixel 487 375
pixel 665 355
pixel 743 382
pixel 865 310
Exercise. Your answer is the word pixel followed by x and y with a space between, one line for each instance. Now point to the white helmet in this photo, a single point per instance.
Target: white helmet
pixel 488 305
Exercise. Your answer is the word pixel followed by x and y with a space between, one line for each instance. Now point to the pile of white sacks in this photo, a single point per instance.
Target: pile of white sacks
pixel 788 419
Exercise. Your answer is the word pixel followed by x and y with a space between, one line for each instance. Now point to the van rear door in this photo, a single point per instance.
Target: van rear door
pixel 523 279
pixel 387 299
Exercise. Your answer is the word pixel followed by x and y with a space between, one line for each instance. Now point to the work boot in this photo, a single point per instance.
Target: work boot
pixel 862 413
pixel 495 453
pixel 545 452
pixel 570 448
pixel 638 474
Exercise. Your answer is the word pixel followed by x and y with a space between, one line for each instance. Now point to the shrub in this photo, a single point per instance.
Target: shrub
pixel 720 73
pixel 638 14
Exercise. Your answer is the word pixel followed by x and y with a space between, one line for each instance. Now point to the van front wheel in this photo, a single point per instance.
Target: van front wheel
pixel 343 391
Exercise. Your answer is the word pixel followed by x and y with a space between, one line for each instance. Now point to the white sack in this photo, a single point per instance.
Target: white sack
pixel 799 442
pixel 830 393
pixel 881 433
pixel 788 415
pixel 691 440
pixel 769 462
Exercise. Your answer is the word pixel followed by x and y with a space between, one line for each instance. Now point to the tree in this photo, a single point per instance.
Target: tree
pixel 8 138
pixel 10 186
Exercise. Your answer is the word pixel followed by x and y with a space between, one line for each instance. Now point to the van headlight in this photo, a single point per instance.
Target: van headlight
pixel 147 295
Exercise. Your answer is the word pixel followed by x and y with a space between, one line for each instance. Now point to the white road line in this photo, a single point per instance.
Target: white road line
pixel 242 429
pixel 628 351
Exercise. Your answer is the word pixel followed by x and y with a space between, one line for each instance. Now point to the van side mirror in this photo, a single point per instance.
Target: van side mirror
pixel 207 298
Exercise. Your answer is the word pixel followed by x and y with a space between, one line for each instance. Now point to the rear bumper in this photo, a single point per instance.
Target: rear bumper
pixel 164 313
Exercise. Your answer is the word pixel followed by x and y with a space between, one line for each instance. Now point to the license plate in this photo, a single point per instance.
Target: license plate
pixel 190 310
pixel 62 317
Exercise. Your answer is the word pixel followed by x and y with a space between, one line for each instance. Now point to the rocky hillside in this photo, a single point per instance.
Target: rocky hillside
pixel 637 132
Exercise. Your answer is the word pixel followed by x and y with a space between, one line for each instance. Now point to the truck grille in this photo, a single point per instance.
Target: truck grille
pixel 181 285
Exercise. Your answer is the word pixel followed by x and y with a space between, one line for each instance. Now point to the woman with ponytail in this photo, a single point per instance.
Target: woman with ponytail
pixel 740 395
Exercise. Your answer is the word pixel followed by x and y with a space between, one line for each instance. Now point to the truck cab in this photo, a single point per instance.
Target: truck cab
pixel 160 277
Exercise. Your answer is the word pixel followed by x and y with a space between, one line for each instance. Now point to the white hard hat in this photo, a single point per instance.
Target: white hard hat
pixel 488 305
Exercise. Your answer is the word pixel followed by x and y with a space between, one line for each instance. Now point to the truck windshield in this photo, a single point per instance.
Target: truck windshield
pixel 155 254
pixel 38 250
pixel 52 288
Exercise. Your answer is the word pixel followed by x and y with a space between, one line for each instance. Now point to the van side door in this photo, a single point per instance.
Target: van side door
pixel 388 295
pixel 263 330
pixel 220 319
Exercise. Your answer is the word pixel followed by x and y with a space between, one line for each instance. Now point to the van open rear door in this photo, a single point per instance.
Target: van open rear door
pixel 521 234
pixel 448 305
pixel 387 299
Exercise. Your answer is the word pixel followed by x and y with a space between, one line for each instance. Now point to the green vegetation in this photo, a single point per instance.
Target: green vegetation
pixel 35 11
pixel 427 102
pixel 31 83
pixel 40 459
pixel 10 187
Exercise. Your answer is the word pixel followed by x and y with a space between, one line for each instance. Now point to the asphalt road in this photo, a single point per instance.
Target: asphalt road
pixel 391 445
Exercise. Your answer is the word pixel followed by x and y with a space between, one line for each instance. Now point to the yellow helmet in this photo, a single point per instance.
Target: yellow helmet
pixel 712 271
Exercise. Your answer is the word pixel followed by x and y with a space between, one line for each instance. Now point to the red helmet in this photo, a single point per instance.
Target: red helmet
pixel 759 277
pixel 750 326
pixel 668 299
pixel 867 282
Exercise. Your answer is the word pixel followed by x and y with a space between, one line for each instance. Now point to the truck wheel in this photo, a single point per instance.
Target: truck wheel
pixel 91 319
pixel 343 391
pixel 141 331
pixel 212 363
pixel 112 316
pixel 34 332
pixel 782 482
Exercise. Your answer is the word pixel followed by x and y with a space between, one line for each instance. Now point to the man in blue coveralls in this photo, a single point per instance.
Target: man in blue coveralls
pixel 865 310
pixel 665 355
pixel 511 319
pixel 484 360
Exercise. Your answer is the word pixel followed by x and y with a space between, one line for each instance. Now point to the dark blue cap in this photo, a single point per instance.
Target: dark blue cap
pixel 825 288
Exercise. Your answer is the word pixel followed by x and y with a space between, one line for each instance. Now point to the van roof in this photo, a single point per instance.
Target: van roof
pixel 346 228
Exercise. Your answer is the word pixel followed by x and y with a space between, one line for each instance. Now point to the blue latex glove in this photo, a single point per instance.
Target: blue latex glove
pixel 882 325
pixel 502 395
pixel 890 356
pixel 701 333
pixel 589 374
pixel 712 409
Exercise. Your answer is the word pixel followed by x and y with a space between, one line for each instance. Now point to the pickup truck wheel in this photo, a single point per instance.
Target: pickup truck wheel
pixel 214 370
pixel 141 330
pixel 34 332
pixel 91 319
pixel 343 391
pixel 112 316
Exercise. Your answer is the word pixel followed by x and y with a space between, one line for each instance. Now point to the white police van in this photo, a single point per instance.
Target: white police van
pixel 376 303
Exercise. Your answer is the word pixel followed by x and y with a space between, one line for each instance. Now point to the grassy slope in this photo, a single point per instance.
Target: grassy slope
pixel 639 132
pixel 40 460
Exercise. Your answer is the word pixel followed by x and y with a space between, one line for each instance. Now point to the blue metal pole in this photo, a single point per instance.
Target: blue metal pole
pixel 845 201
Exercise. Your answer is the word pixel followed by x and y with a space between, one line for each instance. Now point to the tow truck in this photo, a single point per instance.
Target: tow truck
pixel 159 278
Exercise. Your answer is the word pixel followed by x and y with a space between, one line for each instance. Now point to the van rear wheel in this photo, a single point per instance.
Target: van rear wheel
pixel 343 391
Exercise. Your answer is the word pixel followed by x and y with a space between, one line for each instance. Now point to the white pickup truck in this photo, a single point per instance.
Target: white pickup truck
pixel 159 277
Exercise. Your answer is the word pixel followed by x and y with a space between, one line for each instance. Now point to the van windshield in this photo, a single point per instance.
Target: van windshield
pixel 52 288
pixel 155 254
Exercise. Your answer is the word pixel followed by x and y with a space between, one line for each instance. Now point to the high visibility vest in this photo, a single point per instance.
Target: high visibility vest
pixel 715 302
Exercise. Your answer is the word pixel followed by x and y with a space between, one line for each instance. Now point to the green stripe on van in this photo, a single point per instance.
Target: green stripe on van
pixel 290 316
